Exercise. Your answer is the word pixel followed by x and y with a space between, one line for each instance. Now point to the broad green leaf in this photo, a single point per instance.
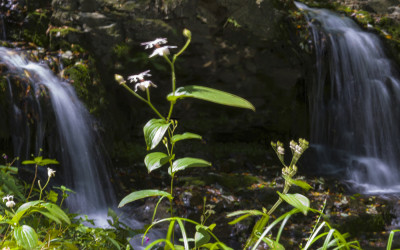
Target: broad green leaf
pixel 13 170
pixel 201 236
pixel 154 131
pixel 304 185
pixel 52 196
pixel 48 215
pixel 56 211
pixel 187 162
pixel 185 136
pixel 143 194
pixel 211 95
pixel 26 237
pixel 297 200
pixel 40 161
pixel 155 160
pixel 23 209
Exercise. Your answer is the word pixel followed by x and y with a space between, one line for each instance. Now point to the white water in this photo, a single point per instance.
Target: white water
pixel 354 103
pixel 83 165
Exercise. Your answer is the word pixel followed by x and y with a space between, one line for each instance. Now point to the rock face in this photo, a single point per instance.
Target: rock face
pixel 246 47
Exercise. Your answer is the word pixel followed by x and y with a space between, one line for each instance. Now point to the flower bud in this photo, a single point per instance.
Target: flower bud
pixel 187 33
pixel 120 79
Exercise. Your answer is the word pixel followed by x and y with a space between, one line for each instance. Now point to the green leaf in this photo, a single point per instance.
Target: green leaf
pixel 143 194
pixel 155 160
pixel 273 245
pixel 23 209
pixel 187 162
pixel 297 200
pixel 304 185
pixel 240 212
pixel 26 237
pixel 154 131
pixel 211 95
pixel 185 136
pixel 201 236
pixel 52 196
pixel 40 161
pixel 56 211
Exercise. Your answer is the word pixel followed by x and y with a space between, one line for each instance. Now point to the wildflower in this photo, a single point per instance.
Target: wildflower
pixel 147 239
pixel 293 145
pixel 10 204
pixel 156 43
pixel 298 149
pixel 120 79
pixel 161 51
pixel 139 77
pixel 143 85
pixel 51 172
pixel 281 150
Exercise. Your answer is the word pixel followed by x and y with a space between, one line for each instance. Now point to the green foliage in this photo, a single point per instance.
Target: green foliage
pixel 142 194
pixel 26 237
pixel 156 160
pixel 154 131
pixel 211 95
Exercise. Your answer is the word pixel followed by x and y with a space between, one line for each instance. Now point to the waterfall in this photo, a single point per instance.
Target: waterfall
pixel 84 168
pixel 354 103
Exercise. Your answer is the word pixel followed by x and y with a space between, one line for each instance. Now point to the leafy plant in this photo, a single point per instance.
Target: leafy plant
pixel 162 129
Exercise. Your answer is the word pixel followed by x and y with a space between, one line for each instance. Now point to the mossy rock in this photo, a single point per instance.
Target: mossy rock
pixel 85 82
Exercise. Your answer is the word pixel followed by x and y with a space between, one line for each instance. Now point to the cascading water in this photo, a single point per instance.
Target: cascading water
pixel 354 103
pixel 84 166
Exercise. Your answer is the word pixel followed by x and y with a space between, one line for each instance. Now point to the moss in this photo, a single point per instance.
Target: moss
pixel 86 87
pixel 36 26
pixel 59 37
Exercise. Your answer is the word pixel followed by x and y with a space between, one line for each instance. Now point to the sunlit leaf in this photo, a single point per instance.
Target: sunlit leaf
pixel 143 194
pixel 26 237
pixel 56 211
pixel 185 136
pixel 211 95
pixel 297 200
pixel 187 162
pixel 201 236
pixel 154 131
pixel 155 160
pixel 304 185
pixel 23 209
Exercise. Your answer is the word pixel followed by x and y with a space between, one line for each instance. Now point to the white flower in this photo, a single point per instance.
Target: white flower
pixel 51 172
pixel 298 149
pixel 155 43
pixel 161 51
pixel 281 150
pixel 293 145
pixel 143 85
pixel 8 197
pixel 10 204
pixel 139 77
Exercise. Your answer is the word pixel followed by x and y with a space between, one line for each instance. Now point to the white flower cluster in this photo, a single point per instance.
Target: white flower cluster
pixel 297 149
pixel 280 150
pixel 161 51
pixel 142 83
pixel 10 201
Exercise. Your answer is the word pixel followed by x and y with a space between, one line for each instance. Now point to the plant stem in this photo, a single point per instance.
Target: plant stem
pixel 33 183
pixel 172 190
pixel 144 100
pixel 279 201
